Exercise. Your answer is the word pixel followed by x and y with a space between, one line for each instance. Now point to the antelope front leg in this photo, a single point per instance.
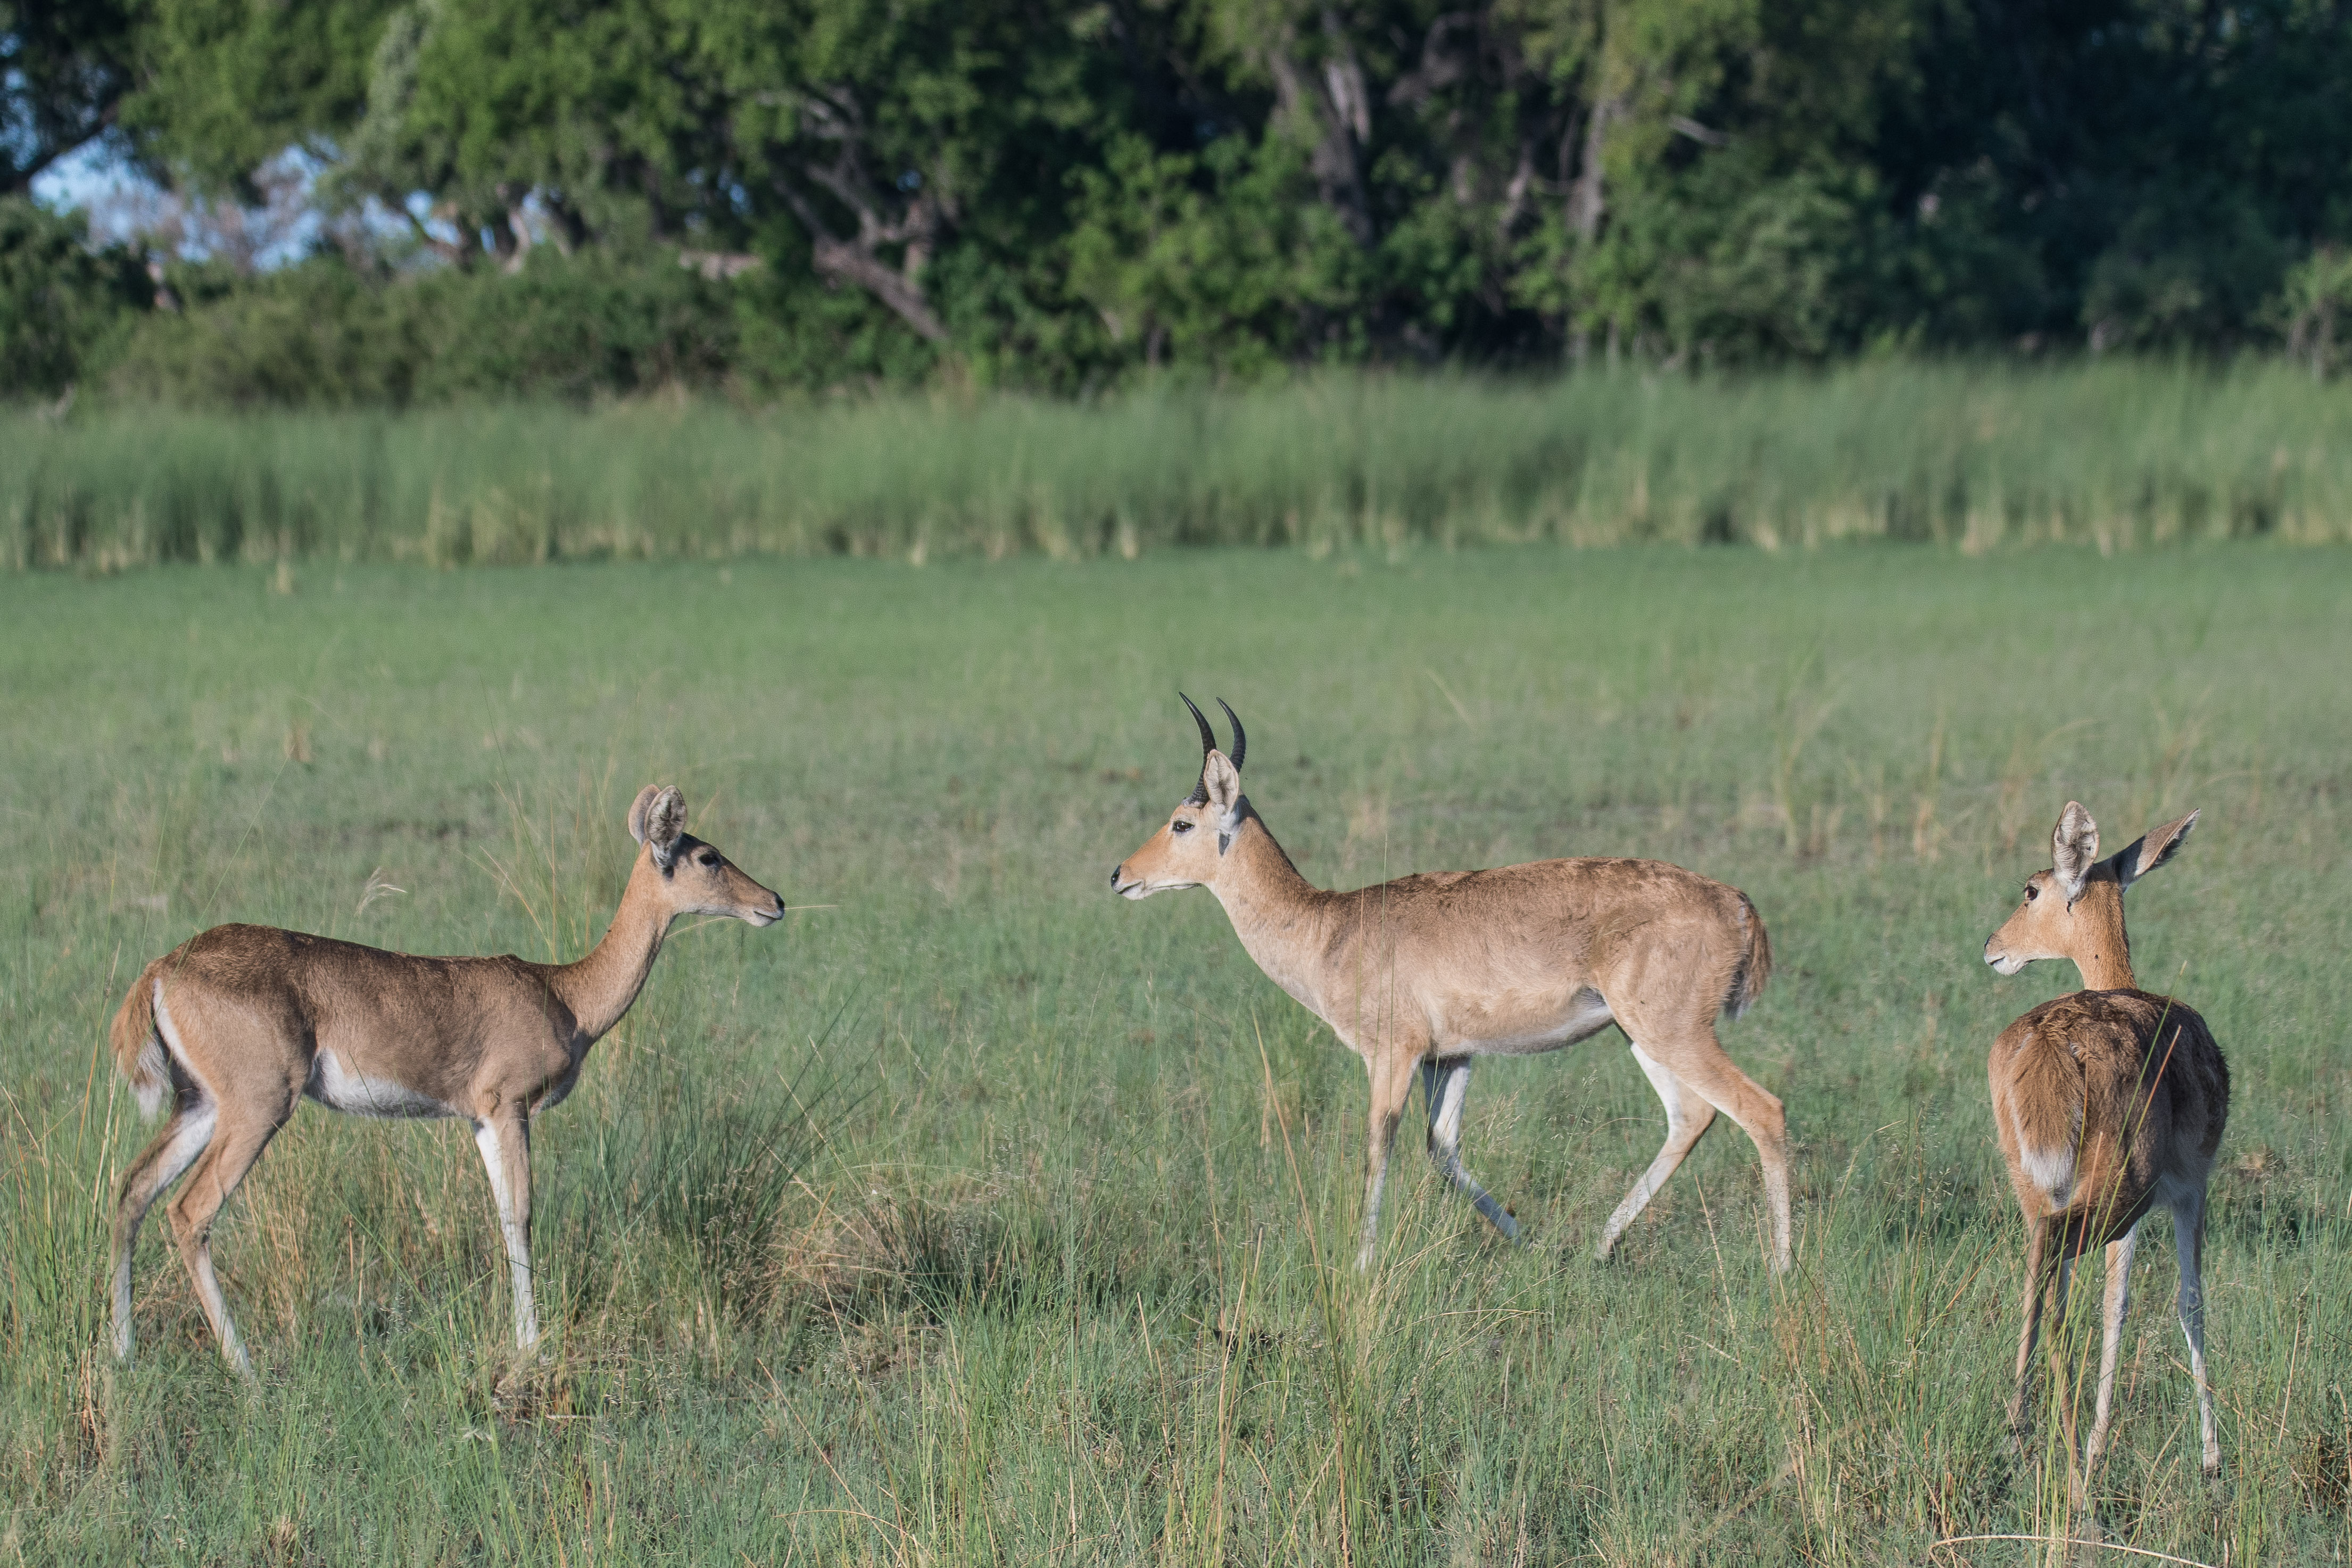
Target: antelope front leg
pixel 1444 1086
pixel 1392 1085
pixel 504 1139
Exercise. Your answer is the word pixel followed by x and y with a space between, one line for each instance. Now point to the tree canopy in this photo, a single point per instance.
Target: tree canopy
pixel 1059 191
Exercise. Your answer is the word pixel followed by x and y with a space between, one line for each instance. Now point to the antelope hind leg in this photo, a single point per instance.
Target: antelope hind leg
pixel 158 1165
pixel 1688 1116
pixel 1697 1060
pixel 231 1154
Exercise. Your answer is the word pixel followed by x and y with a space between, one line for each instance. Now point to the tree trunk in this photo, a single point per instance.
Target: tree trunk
pixel 1588 200
pixel 1339 116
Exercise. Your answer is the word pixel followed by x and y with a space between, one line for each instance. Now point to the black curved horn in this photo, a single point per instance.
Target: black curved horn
pixel 1199 795
pixel 1208 736
pixel 1241 741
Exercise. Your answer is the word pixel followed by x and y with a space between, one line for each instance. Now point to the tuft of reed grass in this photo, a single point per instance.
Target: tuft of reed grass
pixel 2115 453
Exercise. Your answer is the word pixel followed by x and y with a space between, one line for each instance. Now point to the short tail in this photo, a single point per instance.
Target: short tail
pixel 1755 966
pixel 138 1044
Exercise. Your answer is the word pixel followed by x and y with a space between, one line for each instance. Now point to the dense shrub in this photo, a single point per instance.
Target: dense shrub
pixel 59 299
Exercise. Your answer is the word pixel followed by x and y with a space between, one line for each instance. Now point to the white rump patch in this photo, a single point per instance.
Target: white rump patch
pixel 2053 1170
pixel 346 1089
pixel 151 1078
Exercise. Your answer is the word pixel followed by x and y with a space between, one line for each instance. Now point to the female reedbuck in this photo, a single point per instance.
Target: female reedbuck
pixel 1438 970
pixel 241 1021
pixel 2109 1102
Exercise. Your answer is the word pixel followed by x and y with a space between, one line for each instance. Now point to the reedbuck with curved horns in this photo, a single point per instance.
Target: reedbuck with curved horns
pixel 2108 1102
pixel 1436 970
pixel 241 1021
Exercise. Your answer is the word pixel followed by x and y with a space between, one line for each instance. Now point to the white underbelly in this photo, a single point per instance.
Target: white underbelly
pixel 1587 1016
pixel 335 1083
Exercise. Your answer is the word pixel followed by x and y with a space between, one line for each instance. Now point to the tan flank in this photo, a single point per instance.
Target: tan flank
pixel 1434 971
pixel 241 1021
pixel 2109 1102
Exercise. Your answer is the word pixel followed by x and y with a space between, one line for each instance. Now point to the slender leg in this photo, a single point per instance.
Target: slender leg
pixel 2037 1278
pixel 2188 1241
pixel 1697 1060
pixel 504 1139
pixel 1392 1085
pixel 1688 1115
pixel 2119 1263
pixel 158 1165
pixel 1445 1085
pixel 232 1152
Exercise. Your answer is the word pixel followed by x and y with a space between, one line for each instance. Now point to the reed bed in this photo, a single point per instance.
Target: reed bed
pixel 2119 455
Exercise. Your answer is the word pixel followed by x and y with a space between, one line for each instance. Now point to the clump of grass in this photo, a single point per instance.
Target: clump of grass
pixel 2115 454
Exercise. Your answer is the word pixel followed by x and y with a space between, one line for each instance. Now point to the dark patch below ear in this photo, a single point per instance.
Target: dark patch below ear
pixel 1230 828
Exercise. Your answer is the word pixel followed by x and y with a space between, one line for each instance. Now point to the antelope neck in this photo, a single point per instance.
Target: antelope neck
pixel 599 988
pixel 2104 952
pixel 1264 897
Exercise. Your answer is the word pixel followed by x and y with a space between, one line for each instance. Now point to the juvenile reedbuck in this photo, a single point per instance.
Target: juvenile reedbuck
pixel 2109 1102
pixel 241 1021
pixel 1436 970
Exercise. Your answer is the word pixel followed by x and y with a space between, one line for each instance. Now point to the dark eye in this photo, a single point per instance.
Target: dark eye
pixel 707 857
pixel 2032 893
pixel 1180 826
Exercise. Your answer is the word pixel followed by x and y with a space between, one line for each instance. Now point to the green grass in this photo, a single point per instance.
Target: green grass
pixel 973 1215
pixel 2117 454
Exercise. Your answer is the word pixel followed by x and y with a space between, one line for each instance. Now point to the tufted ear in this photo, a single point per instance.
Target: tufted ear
pixel 658 820
pixel 2156 847
pixel 2074 849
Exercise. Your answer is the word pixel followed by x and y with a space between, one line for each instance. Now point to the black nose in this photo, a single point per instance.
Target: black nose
pixel 1114 879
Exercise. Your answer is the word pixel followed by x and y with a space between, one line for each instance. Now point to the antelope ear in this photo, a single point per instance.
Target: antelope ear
pixel 2156 847
pixel 637 811
pixel 658 820
pixel 2074 849
pixel 1221 781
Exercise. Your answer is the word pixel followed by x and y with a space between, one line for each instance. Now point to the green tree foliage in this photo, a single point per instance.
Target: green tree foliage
pixel 60 301
pixel 1053 193
pixel 64 66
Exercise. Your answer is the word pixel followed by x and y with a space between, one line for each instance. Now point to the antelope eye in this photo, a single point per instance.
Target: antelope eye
pixel 707 857
pixel 2032 893
pixel 1180 826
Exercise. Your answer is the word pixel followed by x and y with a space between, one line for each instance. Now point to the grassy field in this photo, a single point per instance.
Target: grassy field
pixel 973 1216
pixel 2113 454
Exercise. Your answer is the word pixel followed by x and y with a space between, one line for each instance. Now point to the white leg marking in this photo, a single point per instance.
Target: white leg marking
pixel 526 1311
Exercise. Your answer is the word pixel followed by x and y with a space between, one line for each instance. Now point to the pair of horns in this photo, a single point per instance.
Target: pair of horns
pixel 1209 743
